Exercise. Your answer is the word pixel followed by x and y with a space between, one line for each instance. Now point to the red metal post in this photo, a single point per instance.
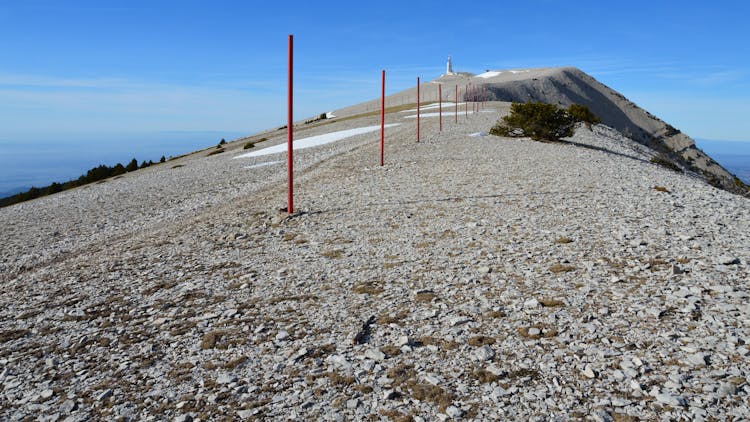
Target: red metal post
pixel 289 131
pixel 382 115
pixel 474 96
pixel 417 108
pixel 440 105
pixel 456 113
pixel 466 102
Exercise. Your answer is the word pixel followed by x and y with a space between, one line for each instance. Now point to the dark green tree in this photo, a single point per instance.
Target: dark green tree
pixel 132 165
pixel 538 121
pixel 582 114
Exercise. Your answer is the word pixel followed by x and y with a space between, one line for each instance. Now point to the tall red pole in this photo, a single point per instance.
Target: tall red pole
pixel 473 99
pixel 466 103
pixel 382 115
pixel 456 113
pixel 289 132
pixel 440 105
pixel 417 108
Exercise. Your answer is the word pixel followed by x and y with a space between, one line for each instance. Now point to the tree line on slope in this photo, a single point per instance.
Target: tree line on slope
pixel 96 174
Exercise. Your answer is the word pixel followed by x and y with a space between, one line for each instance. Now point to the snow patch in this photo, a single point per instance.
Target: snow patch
pixel 431 106
pixel 267 163
pixel 330 115
pixel 425 115
pixel 478 134
pixel 446 113
pixel 491 74
pixel 315 141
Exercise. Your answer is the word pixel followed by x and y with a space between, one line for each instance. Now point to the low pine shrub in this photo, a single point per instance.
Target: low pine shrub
pixel 538 121
pixel 541 121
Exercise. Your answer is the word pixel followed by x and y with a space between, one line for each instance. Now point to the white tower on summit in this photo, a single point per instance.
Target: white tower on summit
pixel 449 67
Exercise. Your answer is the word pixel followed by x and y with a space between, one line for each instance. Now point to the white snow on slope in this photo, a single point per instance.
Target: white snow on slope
pixel 267 163
pixel 447 113
pixel 446 104
pixel 491 74
pixel 315 141
pixel 427 115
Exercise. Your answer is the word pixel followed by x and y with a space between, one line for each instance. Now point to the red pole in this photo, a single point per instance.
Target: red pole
pixel 382 115
pixel 473 99
pixel 289 132
pixel 417 108
pixel 456 113
pixel 440 105
pixel 466 103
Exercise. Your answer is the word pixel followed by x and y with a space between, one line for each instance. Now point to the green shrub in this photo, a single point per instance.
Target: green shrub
pixel 222 142
pixel 249 145
pixel 537 120
pixel 582 114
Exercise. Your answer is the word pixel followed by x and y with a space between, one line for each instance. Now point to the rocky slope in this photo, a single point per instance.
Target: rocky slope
pixel 472 277
pixel 568 85
pixel 565 86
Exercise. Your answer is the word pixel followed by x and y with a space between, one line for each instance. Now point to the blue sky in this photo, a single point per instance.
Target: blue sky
pixel 107 69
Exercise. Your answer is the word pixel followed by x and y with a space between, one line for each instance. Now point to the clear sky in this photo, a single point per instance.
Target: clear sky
pixel 98 69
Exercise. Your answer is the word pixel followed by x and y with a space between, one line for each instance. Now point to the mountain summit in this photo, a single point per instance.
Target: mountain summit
pixel 564 86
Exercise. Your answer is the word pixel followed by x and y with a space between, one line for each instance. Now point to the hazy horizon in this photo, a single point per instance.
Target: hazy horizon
pixel 22 167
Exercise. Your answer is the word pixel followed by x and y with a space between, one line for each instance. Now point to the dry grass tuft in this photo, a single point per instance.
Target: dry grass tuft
pixel 432 393
pixel 496 314
pixel 396 416
pixel 661 189
pixel 485 377
pixel 209 340
pixel 550 303
pixel 386 319
pixel 333 254
pixel 370 288
pixel 425 297
pixel 401 374
pixel 391 350
pixel 563 240
pixel 559 268
pixel 477 341
pixel 234 363
pixel 338 379
pixel 544 331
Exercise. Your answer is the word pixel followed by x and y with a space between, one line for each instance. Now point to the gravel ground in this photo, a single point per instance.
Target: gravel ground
pixel 471 277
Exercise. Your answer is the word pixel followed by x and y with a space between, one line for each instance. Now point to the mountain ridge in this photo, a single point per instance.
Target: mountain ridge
pixel 568 85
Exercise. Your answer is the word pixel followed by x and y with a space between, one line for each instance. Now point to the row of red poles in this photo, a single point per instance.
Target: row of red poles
pixel 472 93
pixel 478 99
